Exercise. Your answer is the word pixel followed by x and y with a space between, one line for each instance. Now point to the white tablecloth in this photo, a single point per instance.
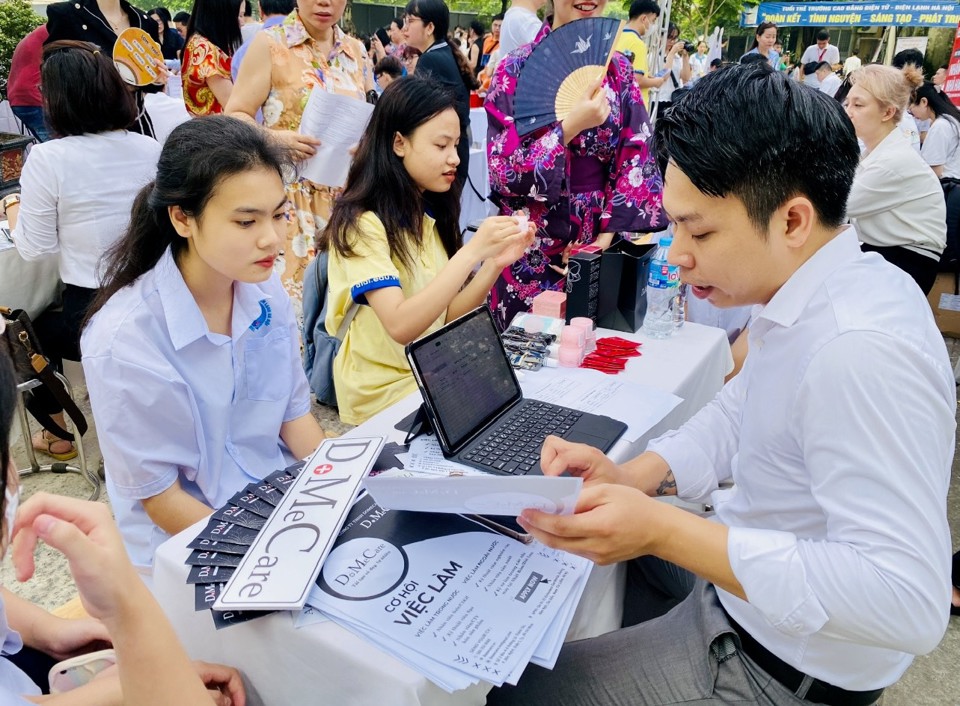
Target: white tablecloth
pixel 326 664
pixel 32 286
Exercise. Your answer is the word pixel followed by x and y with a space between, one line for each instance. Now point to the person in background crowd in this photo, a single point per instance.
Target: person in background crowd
pixel 273 12
pixel 426 26
pixel 822 51
pixel 765 37
pixel 99 22
pixel 475 35
pixel 698 62
pixel 76 196
pixel 492 41
pixel 914 130
pixel 170 40
pixel 941 149
pixel 852 63
pixel 23 85
pixel 152 668
pixel 784 58
pixel 580 181
pixel 896 203
pixel 283 64
pixel 248 23
pixel 940 77
pixel 460 39
pixel 520 24
pixel 409 59
pixel 212 38
pixel 387 70
pixel 395 32
pixel 828 81
pixel 643 15
pixel 715 64
pixel 678 69
pixel 395 247
pixel 192 351
pixel 180 22
pixel 826 570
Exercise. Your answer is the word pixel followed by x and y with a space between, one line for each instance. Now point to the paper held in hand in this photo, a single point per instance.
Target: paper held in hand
pixel 338 122
pixel 285 558
pixel 477 494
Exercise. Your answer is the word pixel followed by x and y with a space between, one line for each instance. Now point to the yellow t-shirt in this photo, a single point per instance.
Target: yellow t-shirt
pixel 371 371
pixel 631 41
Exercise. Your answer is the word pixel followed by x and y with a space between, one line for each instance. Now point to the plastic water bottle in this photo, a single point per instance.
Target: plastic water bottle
pixel 663 284
pixel 680 307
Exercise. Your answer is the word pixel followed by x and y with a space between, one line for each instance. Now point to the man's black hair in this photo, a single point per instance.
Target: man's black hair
pixel 752 133
pixel 908 56
pixel 823 34
pixel 495 18
pixel 182 17
pixel 642 7
pixel 716 63
pixel 277 7
pixel 757 58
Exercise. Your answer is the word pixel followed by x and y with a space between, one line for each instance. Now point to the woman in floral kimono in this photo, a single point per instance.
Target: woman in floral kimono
pixel 582 180
pixel 284 63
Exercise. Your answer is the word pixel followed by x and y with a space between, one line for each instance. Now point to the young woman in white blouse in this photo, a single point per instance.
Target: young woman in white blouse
pixel 941 148
pixel 77 192
pixel 896 203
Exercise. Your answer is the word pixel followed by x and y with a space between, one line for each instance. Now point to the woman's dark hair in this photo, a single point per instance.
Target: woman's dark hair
pixel 437 12
pixel 217 20
pixel 197 156
pixel 164 15
pixel 776 120
pixel 8 403
pixel 182 17
pixel 276 7
pixel 78 82
pixel 389 65
pixel 761 28
pixel 478 28
pixel 378 181
pixel 938 102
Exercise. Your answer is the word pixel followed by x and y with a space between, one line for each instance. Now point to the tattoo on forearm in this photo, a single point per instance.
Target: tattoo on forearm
pixel 668 486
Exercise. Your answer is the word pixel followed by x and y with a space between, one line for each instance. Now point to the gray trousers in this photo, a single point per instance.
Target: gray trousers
pixel 688 654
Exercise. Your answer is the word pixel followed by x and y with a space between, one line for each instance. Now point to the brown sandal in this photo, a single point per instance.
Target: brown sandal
pixel 44 443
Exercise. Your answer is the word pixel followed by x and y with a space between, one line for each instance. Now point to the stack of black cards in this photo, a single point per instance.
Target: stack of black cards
pixel 218 549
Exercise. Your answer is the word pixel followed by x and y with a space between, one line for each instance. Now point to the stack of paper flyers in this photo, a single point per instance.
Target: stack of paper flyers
pixel 455 601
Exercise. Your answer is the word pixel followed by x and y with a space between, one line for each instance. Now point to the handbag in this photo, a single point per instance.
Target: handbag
pixel 319 347
pixel 20 343
pixel 623 285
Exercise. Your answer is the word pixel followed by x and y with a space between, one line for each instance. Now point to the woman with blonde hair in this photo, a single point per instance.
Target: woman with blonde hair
pixel 896 203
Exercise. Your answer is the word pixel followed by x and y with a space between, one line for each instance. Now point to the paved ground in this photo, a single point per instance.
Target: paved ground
pixel 932 680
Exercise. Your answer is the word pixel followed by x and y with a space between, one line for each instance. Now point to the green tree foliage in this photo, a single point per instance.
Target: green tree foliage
pixel 17 20
pixel 697 18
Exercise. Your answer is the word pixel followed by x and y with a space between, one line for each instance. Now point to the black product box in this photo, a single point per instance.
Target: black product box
pixel 583 283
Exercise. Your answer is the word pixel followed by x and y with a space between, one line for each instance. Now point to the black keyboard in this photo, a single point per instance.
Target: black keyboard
pixel 513 445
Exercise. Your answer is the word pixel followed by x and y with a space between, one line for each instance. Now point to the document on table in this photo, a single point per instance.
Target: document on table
pixel 455 602
pixel 640 407
pixel 338 122
pixel 485 494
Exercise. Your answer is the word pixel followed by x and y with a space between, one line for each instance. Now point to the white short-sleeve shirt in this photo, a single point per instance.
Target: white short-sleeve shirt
pixel 14 683
pixel 942 146
pixel 172 400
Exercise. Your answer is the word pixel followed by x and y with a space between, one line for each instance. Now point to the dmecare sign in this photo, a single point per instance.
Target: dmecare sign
pixel 285 558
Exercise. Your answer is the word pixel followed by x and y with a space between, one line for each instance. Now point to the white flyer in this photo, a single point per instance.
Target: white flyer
pixel 281 565
pixel 338 122
pixel 484 494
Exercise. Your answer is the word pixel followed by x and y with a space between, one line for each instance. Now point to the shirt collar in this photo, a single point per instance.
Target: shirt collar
pixel 437 45
pixel 297 34
pixel 792 298
pixel 185 322
pixel 890 140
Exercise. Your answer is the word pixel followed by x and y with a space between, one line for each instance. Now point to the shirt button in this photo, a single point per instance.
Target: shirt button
pixel 77 6
pixel 84 27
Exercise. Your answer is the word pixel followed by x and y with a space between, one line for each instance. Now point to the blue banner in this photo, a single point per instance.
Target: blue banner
pixel 853 14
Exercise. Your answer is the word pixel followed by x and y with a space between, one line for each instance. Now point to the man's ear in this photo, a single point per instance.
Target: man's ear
pixel 796 218
pixel 399 145
pixel 180 221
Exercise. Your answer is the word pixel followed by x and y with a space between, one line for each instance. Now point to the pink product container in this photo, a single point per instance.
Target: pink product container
pixel 570 356
pixel 573 336
pixel 589 333
pixel 550 303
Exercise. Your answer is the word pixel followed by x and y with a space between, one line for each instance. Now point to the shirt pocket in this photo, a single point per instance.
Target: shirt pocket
pixel 267 364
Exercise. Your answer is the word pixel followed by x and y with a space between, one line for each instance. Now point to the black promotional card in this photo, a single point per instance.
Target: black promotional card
pixel 204 595
pixel 212 545
pixel 209 574
pixel 201 557
pixel 281 480
pixel 226 618
pixel 241 516
pixel 223 531
pixel 266 492
pixel 249 501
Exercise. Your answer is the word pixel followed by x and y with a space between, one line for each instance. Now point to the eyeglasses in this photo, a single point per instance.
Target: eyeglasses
pixel 410 18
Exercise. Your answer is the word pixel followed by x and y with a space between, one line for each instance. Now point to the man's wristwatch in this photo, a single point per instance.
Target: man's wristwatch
pixel 8 201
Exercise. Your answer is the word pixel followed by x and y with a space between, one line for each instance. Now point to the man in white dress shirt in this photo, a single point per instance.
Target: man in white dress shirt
pixel 826 566
pixel 823 50
pixel 520 24
pixel 829 81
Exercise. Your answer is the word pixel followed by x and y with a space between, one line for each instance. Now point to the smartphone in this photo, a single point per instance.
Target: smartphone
pixel 77 671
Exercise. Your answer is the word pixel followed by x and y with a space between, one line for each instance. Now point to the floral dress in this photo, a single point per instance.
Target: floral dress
pixel 605 180
pixel 299 66
pixel 202 59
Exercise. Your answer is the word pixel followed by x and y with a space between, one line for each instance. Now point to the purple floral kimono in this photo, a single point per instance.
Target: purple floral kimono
pixel 605 180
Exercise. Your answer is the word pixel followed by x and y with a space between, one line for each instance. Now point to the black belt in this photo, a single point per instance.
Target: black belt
pixel 820 692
